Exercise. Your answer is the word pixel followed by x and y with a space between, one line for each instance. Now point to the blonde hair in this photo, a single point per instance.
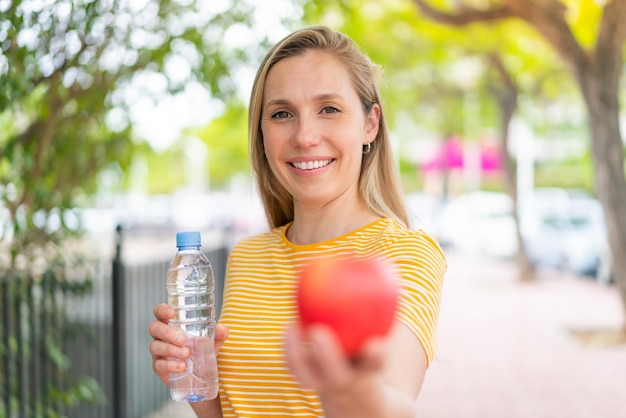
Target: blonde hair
pixel 379 186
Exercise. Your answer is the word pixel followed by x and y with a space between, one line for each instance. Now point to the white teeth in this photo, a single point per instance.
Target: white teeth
pixel 310 165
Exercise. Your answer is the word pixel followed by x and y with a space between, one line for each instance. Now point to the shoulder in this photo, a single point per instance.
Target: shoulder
pixel 417 256
pixel 259 243
pixel 401 242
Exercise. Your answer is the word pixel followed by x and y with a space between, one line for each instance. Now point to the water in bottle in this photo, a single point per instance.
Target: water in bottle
pixel 191 292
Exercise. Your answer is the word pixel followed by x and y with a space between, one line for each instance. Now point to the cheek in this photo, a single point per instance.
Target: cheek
pixel 267 144
pixel 269 148
pixel 274 141
pixel 272 154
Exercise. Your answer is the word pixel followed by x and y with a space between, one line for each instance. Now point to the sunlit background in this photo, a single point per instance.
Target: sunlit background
pixel 124 122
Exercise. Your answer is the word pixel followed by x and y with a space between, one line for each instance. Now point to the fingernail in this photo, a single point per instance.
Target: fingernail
pixel 182 352
pixel 179 339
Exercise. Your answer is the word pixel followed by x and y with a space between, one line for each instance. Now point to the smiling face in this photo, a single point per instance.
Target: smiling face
pixel 314 128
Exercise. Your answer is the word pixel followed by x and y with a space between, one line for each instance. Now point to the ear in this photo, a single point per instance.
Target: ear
pixel 372 124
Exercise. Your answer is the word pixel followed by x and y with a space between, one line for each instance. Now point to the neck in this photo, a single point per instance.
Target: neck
pixel 312 225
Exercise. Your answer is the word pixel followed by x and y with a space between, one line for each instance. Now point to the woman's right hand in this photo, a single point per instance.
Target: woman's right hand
pixel 168 343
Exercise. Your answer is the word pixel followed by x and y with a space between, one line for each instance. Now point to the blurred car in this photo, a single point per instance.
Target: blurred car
pixel 565 229
pixel 424 212
pixel 481 223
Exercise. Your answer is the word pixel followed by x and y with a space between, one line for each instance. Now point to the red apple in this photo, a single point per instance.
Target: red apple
pixel 355 297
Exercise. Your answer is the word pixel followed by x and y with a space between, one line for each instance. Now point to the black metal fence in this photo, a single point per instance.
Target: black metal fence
pixel 74 343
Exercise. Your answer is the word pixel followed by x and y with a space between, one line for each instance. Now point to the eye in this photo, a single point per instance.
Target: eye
pixel 329 110
pixel 281 114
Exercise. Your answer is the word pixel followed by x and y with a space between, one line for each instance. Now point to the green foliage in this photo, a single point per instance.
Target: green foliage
pixel 584 18
pixel 227 141
pixel 69 76
pixel 441 78
pixel 41 324
pixel 435 75
pixel 69 73
pixel 414 54
pixel 410 177
pixel 162 171
pixel 575 173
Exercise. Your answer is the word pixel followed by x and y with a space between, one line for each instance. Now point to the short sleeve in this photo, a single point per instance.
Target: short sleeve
pixel 421 265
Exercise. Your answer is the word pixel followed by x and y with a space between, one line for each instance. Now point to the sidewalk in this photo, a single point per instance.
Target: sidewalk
pixel 506 349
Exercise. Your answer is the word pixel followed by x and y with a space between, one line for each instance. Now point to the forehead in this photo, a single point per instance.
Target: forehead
pixel 309 71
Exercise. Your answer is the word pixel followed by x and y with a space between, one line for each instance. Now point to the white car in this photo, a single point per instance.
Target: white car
pixel 566 230
pixel 481 223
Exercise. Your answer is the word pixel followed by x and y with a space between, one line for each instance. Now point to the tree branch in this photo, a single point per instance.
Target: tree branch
pixel 613 19
pixel 611 38
pixel 497 64
pixel 464 14
pixel 545 16
pixel 548 18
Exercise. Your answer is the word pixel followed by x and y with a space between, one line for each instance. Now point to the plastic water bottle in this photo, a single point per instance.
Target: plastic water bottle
pixel 191 292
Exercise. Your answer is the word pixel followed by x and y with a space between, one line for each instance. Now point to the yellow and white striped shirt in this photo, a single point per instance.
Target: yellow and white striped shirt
pixel 259 302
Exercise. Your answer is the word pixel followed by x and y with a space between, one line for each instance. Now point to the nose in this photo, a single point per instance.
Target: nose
pixel 306 133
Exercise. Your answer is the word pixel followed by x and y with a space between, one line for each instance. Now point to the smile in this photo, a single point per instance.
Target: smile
pixel 310 165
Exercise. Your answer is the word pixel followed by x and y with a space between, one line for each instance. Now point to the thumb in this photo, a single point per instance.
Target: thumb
pixel 221 334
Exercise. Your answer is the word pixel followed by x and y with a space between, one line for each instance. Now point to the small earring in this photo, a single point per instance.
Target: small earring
pixel 367 148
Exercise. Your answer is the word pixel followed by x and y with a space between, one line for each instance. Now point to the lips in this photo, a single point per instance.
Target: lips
pixel 310 165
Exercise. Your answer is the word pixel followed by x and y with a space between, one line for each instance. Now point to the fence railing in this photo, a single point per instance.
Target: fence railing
pixel 75 343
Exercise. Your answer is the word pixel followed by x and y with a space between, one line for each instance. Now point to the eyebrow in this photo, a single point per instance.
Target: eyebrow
pixel 319 97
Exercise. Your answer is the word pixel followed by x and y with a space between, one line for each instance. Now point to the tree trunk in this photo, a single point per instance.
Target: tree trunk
pixel 598 73
pixel 506 97
pixel 608 157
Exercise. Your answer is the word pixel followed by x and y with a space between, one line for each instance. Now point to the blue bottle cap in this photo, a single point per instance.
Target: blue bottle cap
pixel 188 239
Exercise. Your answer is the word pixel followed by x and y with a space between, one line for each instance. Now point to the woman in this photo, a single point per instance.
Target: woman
pixel 322 157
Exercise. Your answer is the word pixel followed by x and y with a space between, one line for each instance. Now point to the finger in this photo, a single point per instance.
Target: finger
pixel 297 354
pixel 371 357
pixel 163 312
pixel 163 368
pixel 331 363
pixel 221 334
pixel 160 349
pixel 161 331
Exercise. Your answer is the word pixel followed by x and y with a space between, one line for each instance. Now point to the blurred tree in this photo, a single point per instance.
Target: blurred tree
pixel 226 148
pixel 442 78
pixel 451 81
pixel 227 140
pixel 419 62
pixel 69 75
pixel 589 37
